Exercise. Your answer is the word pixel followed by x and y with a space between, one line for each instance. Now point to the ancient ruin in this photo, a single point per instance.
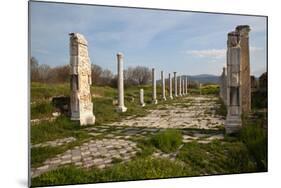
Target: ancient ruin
pixel 163 85
pixel 233 119
pixel 245 80
pixel 154 95
pixel 80 80
pixel 170 87
pixel 142 98
pixel 175 84
pixel 223 87
pixel 180 91
pixel 121 107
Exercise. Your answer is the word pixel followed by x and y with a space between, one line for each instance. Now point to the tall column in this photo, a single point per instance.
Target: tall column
pixel 233 120
pixel 180 93
pixel 142 98
pixel 121 107
pixel 183 86
pixel 163 85
pixel 223 89
pixel 245 78
pixel 175 84
pixel 200 88
pixel 170 87
pixel 81 106
pixel 186 85
pixel 154 96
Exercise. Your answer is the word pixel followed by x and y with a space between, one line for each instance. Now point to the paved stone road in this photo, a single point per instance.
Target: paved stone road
pixel 196 112
pixel 117 139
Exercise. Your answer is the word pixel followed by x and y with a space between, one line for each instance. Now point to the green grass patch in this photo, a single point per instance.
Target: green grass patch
pixel 41 109
pixel 139 169
pixel 167 141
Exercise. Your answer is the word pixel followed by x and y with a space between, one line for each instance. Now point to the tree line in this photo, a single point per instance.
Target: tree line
pixel 43 73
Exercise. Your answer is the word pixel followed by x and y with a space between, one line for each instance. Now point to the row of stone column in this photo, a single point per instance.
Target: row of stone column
pixel 235 89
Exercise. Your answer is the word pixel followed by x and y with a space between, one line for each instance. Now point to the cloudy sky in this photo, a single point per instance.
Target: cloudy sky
pixel 187 42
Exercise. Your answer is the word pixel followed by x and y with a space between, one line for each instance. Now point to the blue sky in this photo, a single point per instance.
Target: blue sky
pixel 187 42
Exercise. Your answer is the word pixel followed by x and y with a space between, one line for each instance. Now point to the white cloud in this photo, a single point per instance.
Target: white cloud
pixel 216 53
pixel 209 53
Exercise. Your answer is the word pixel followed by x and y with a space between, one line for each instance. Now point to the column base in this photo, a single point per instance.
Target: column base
pixel 164 99
pixel 143 105
pixel 233 124
pixel 154 101
pixel 171 97
pixel 121 109
pixel 87 120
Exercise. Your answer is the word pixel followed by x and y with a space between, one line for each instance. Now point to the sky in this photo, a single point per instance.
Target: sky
pixel 189 43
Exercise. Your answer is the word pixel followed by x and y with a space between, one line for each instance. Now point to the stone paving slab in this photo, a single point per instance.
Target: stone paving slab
pixel 55 143
pixel 95 153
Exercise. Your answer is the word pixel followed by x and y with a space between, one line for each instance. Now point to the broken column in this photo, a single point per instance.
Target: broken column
pixel 170 87
pixel 245 79
pixel 121 107
pixel 175 84
pixel 163 85
pixel 180 92
pixel 233 120
pixel 81 106
pixel 142 98
pixel 154 96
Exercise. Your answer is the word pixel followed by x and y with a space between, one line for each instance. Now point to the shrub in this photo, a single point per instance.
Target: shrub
pixel 167 141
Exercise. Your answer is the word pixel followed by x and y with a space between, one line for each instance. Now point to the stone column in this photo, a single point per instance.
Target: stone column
pixel 163 85
pixel 200 88
pixel 81 106
pixel 186 85
pixel 223 87
pixel 121 107
pixel 183 87
pixel 142 98
pixel 180 92
pixel 170 87
pixel 233 120
pixel 175 84
pixel 154 96
pixel 245 79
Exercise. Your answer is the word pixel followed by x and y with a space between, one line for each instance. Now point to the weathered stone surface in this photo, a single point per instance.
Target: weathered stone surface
pixel 170 87
pixel 163 85
pixel 142 98
pixel 180 89
pixel 233 120
pixel 121 107
pixel 175 85
pixel 80 74
pixel 245 80
pixel 223 86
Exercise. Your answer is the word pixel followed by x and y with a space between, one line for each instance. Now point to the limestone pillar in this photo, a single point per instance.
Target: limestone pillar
pixel 180 92
pixel 200 88
pixel 81 106
pixel 163 85
pixel 245 79
pixel 170 87
pixel 175 84
pixel 142 98
pixel 223 87
pixel 121 107
pixel 183 86
pixel 154 96
pixel 186 85
pixel 233 120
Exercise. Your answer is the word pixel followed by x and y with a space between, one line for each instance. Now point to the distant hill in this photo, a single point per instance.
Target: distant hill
pixel 204 78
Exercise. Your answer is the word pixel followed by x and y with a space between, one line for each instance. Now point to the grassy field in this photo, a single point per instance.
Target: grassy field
pixel 243 152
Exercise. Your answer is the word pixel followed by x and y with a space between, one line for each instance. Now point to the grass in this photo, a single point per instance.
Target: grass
pixel 216 158
pixel 42 109
pixel 144 168
pixel 167 141
pixel 255 138
pixel 221 108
